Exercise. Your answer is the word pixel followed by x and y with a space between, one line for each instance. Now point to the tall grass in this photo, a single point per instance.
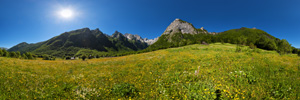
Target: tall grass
pixel 212 71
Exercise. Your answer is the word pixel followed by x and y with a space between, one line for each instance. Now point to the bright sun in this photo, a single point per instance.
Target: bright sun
pixel 66 13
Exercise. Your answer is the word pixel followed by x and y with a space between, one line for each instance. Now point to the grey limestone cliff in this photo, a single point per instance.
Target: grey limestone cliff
pixel 180 26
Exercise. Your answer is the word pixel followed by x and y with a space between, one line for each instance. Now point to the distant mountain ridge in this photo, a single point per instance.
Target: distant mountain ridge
pixel 178 33
pixel 140 39
pixel 69 43
pixel 3 48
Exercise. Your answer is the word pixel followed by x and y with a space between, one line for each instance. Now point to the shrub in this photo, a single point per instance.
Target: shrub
pixel 83 57
pixel 124 90
pixel 13 55
pixel 18 54
pixel 1 52
pixel 238 48
pixel 252 46
pixel 90 57
pixel 29 55
pixel 68 58
pixel 295 50
pixel 5 54
pixel 24 56
pixel 47 57
pixel 284 47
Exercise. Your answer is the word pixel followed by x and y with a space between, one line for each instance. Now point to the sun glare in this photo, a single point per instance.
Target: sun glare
pixel 66 13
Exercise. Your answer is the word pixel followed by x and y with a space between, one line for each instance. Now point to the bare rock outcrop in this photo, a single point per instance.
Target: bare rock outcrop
pixel 139 38
pixel 180 26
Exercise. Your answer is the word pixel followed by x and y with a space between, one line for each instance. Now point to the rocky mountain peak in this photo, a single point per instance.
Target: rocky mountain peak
pixel 129 36
pixel 180 26
pixel 133 37
pixel 140 39
pixel 150 41
pixel 117 34
pixel 97 32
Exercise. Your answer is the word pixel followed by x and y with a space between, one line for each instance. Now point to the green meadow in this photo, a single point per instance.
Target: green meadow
pixel 214 71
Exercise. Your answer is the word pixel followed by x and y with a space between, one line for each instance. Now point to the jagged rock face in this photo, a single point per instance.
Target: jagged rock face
pixel 139 38
pixel 150 41
pixel 129 36
pixel 118 36
pixel 180 26
pixel 133 37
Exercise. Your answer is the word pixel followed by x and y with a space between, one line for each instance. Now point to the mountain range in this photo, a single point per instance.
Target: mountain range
pixel 70 43
pixel 178 33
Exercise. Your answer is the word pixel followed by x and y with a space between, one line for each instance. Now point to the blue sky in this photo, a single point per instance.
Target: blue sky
pixel 34 21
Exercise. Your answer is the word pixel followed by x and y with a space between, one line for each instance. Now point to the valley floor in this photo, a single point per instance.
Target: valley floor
pixel 212 71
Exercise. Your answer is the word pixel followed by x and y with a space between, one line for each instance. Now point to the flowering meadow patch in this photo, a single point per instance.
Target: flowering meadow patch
pixel 214 71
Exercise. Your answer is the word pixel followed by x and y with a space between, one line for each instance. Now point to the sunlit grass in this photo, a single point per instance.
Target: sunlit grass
pixel 189 72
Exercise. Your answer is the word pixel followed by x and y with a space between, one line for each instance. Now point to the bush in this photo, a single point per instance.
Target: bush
pixel 47 57
pixel 284 47
pixel 24 56
pixel 222 41
pixel 13 55
pixel 6 54
pixel 295 50
pixel 1 52
pixel 238 48
pixel 29 55
pixel 18 54
pixel 252 46
pixel 83 57
pixel 124 90
pixel 68 58
pixel 90 57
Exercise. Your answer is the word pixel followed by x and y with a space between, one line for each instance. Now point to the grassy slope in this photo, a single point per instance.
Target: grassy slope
pixel 165 74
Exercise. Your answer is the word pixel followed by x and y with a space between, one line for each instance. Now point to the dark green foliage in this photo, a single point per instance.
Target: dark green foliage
pixel 5 53
pixel 13 55
pixel 299 53
pixel 1 52
pixel 28 55
pixel 48 57
pixel 83 57
pixel 90 57
pixel 68 58
pixel 25 47
pixel 247 36
pixel 284 47
pixel 238 48
pixel 222 41
pixel 24 56
pixel 124 90
pixel 18 54
pixel 294 50
pixel 252 46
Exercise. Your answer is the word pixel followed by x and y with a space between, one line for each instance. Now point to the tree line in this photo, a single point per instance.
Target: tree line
pixel 26 55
